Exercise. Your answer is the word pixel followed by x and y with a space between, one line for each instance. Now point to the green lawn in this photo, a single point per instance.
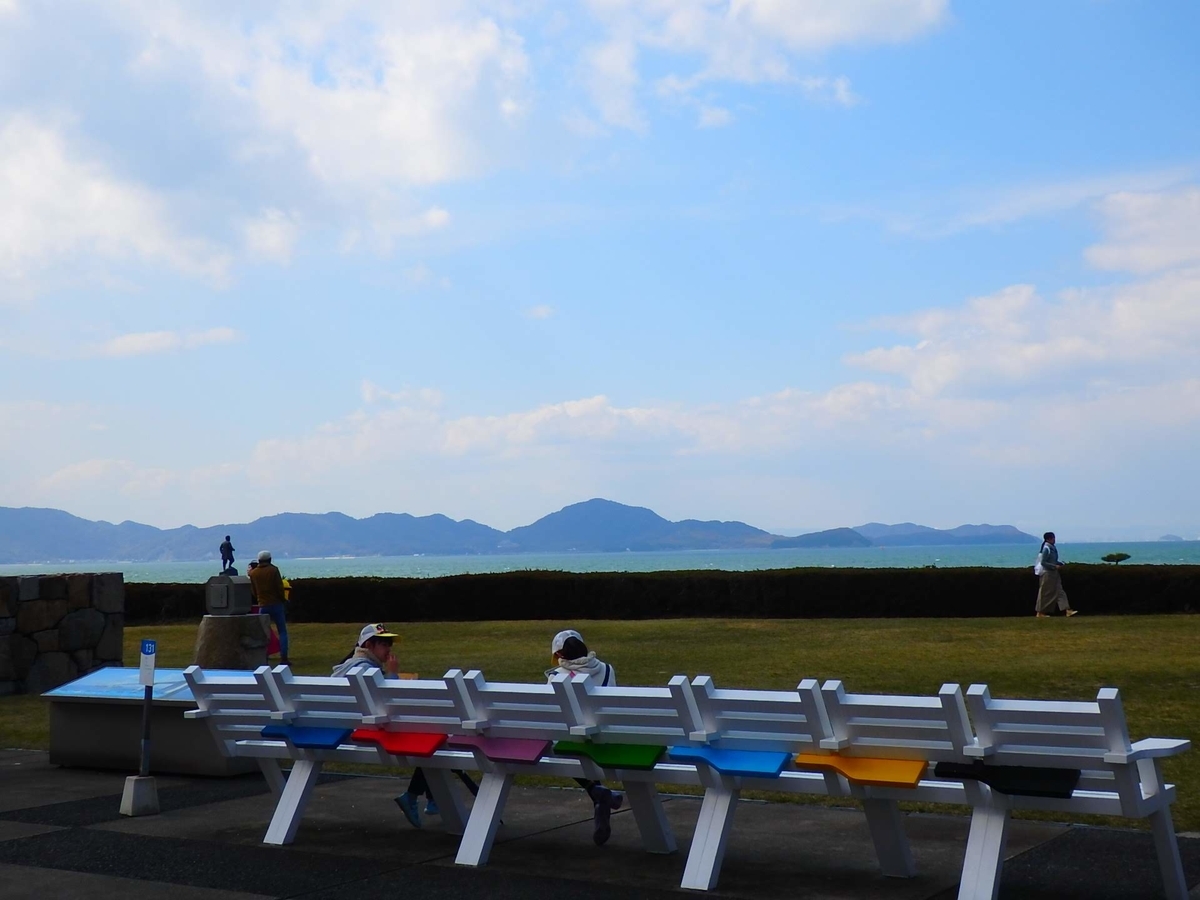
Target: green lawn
pixel 1152 659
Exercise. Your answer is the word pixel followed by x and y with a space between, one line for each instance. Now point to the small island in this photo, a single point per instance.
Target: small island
pixel 1170 537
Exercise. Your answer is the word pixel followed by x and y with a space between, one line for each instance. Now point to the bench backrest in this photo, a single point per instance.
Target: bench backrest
pixel 896 726
pixel 1058 734
pixel 236 705
pixel 1049 732
pixel 627 715
pixel 416 705
pixel 321 700
pixel 511 710
pixel 793 721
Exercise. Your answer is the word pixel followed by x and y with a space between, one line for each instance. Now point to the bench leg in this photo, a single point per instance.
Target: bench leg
pixel 891 843
pixel 1174 884
pixel 450 805
pixel 984 859
pixel 274 776
pixel 480 833
pixel 708 844
pixel 290 808
pixel 651 820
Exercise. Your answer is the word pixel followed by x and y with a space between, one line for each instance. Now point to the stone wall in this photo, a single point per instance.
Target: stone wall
pixel 54 628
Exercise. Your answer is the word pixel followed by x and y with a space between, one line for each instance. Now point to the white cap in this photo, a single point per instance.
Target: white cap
pixel 561 638
pixel 370 632
pixel 264 556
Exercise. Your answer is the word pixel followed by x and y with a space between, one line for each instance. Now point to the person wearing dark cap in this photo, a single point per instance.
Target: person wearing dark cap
pixel 572 657
pixel 374 651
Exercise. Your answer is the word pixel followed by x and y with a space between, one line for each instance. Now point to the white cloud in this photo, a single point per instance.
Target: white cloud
pixel 932 216
pixel 373 394
pixel 421 276
pixel 1016 338
pixel 271 235
pixel 714 117
pixel 742 41
pixel 119 474
pixel 220 335
pixel 148 343
pixel 1145 232
pixel 60 209
pixel 612 81
pixel 368 95
pixel 830 90
pixel 582 125
pixel 821 24
pixel 542 311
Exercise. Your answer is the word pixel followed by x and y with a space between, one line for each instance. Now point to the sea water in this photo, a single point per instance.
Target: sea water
pixel 999 555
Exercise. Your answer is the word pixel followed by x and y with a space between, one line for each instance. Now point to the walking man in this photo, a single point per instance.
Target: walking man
pixel 1050 589
pixel 266 586
pixel 226 554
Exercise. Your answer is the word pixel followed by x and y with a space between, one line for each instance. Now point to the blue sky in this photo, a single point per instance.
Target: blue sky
pixel 803 264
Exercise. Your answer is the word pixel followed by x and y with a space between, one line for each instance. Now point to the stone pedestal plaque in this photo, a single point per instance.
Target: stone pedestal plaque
pixel 233 642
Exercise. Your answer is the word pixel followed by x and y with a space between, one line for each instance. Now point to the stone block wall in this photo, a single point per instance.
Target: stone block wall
pixel 54 628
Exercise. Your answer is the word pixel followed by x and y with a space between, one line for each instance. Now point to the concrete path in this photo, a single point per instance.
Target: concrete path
pixel 61 835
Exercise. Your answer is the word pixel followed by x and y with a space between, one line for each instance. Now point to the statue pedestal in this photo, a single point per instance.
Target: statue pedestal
pixel 233 642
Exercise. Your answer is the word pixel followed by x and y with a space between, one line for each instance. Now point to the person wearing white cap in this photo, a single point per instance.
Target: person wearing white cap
pixel 374 651
pixel 266 586
pixel 572 657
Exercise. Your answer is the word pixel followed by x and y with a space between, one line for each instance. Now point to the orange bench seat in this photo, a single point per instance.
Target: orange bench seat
pixel 866 770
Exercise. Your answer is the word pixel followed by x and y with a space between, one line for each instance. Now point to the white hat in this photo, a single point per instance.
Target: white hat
pixel 561 638
pixel 370 632
pixel 264 556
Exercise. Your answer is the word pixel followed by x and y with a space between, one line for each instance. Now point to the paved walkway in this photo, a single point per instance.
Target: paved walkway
pixel 61 835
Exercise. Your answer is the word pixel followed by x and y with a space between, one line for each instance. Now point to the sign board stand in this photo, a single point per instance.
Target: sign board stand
pixel 140 797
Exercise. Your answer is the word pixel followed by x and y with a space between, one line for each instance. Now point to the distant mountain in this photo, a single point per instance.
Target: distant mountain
pixel 1170 537
pixel 834 537
pixel 602 525
pixel 50 535
pixel 906 534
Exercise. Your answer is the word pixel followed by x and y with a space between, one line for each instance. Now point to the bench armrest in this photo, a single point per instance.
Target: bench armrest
pixel 1150 748
pixel 835 744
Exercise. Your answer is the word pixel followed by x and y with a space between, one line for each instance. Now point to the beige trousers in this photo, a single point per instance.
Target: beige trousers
pixel 1050 592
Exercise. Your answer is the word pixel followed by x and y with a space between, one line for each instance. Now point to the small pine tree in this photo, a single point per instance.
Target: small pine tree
pixel 1115 558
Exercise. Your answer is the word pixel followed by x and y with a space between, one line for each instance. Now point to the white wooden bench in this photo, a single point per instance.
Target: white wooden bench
pixel 236 709
pixel 598 733
pixel 877 749
pixel 1084 741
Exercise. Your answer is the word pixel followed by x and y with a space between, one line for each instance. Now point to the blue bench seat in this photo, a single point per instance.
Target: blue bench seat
pixel 746 763
pixel 308 737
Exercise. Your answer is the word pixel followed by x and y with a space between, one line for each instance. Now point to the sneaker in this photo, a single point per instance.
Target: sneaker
pixel 603 808
pixel 1071 612
pixel 431 808
pixel 408 805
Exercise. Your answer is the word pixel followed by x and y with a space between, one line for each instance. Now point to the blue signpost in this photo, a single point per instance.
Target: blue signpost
pixel 146 679
pixel 140 797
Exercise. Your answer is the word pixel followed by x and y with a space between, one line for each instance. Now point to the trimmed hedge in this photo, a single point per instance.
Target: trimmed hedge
pixel 770 593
